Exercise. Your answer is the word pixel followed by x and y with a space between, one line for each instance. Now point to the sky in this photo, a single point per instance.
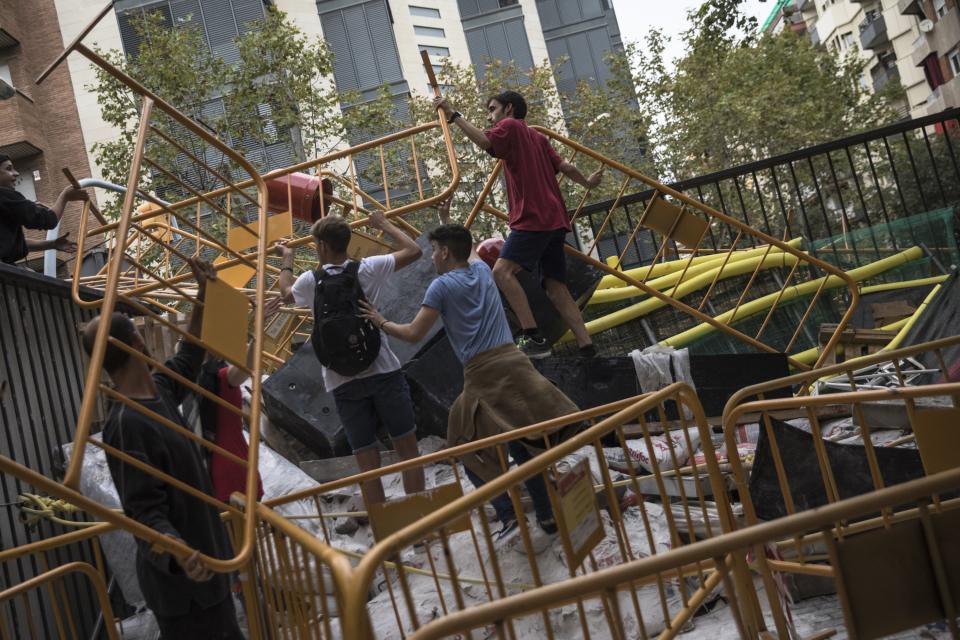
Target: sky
pixel 637 17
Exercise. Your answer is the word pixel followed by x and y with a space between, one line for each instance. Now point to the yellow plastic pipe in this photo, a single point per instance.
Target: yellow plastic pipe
pixel 664 268
pixel 810 355
pixel 687 287
pixel 662 283
pixel 807 288
pixel 906 284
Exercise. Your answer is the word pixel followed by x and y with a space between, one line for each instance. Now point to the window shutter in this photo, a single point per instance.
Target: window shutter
pixel 335 33
pixel 516 35
pixel 569 11
pixel 479 54
pixel 549 14
pixel 384 45
pixel 361 47
pixel 468 8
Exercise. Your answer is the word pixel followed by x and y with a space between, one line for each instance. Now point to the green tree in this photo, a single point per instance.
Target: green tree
pixel 279 92
pixel 736 95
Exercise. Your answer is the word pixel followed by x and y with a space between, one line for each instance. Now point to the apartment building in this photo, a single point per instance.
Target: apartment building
pixel 40 125
pixel 893 37
pixel 937 51
pixel 375 42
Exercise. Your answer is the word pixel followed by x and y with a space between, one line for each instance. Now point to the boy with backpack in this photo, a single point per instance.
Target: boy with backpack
pixel 358 366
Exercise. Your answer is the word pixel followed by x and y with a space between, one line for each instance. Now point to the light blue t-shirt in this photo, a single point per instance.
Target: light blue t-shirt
pixel 469 303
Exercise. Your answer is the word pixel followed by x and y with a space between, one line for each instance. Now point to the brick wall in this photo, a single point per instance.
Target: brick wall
pixel 54 109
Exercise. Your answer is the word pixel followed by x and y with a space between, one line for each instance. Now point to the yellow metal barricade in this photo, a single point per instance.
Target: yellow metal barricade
pixel 725 295
pixel 233 225
pixel 48 603
pixel 625 487
pixel 887 436
pixel 933 574
pixel 294 585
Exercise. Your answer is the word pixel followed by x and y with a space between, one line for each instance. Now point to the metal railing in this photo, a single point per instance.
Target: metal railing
pixel 293 586
pixel 147 270
pixel 828 524
pixel 62 598
pixel 846 439
pixel 682 227
pixel 652 495
pixel 827 191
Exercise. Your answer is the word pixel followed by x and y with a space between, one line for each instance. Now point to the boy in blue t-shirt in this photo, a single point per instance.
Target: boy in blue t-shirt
pixel 468 300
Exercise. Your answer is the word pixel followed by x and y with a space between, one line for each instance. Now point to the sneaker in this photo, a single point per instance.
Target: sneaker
pixel 534 347
pixel 588 351
pixel 549 525
pixel 508 531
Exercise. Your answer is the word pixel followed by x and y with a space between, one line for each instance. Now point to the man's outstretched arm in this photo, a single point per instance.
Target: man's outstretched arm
pixel 570 170
pixel 409 251
pixel 410 332
pixel 475 134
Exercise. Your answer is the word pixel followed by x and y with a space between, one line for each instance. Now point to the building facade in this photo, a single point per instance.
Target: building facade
pixel 937 51
pixel 40 125
pixel 910 42
pixel 375 42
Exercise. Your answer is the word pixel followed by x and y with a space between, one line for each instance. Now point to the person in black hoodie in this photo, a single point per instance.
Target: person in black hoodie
pixel 16 212
pixel 187 599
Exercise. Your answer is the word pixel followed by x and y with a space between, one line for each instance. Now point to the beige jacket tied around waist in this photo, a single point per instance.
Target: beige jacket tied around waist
pixel 503 391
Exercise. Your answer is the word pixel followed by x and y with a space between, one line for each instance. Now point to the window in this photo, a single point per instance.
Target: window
pixel 220 21
pixel 848 40
pixel 5 73
pixel 431 32
pixel 441 52
pixel 940 7
pixel 953 57
pixel 365 53
pixel 424 12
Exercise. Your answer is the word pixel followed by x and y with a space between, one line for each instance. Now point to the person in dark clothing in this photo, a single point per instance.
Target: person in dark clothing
pixel 187 599
pixel 16 212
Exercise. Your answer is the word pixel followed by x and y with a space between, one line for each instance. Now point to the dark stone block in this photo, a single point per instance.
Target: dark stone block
pixel 400 300
pixel 848 461
pixel 296 402
pixel 582 280
pixel 717 377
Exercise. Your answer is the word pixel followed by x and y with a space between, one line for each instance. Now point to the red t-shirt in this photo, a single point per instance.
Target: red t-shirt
pixel 227 475
pixel 530 165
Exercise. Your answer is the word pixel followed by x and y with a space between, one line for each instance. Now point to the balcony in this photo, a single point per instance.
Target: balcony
pixel 21 134
pixel 883 75
pixel 803 5
pixel 944 97
pixel 911 8
pixel 943 38
pixel 873 32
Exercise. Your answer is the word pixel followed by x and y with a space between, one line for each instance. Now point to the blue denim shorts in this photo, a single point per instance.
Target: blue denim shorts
pixel 366 403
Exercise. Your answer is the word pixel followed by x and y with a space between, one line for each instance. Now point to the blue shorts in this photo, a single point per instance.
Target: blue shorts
pixel 544 248
pixel 366 403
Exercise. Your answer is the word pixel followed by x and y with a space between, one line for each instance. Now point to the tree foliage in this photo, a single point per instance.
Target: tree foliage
pixel 736 95
pixel 277 99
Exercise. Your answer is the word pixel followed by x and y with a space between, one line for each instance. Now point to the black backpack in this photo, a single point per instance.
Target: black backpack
pixel 343 341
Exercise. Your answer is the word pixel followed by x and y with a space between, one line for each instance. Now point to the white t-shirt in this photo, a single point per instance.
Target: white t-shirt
pixel 373 273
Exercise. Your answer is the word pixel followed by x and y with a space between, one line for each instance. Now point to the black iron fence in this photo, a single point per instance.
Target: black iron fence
pixel 854 200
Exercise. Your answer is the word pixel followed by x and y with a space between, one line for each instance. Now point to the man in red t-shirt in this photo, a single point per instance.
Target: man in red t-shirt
pixel 538 215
